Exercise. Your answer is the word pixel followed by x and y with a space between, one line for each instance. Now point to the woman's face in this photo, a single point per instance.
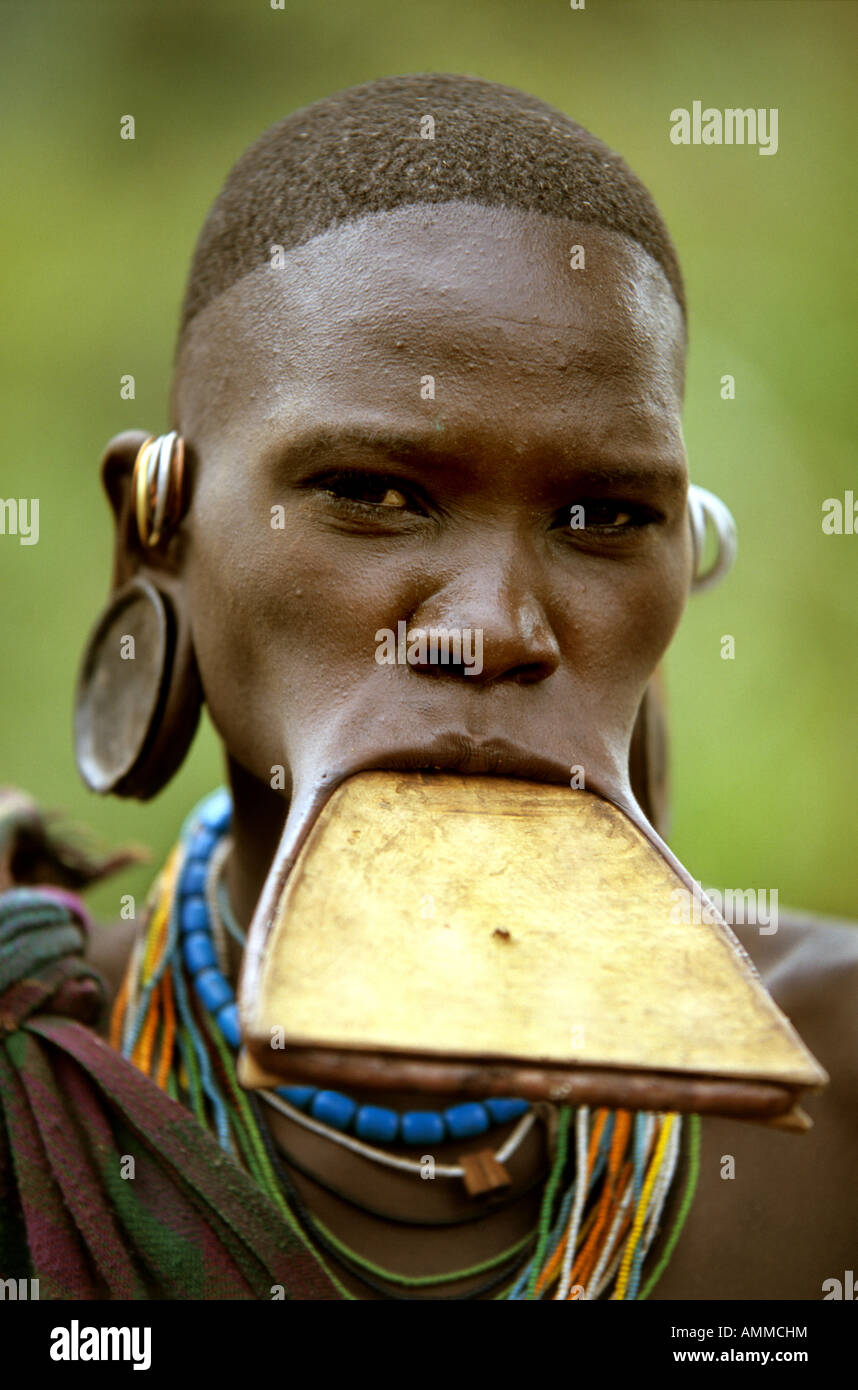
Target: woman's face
pixel 394 427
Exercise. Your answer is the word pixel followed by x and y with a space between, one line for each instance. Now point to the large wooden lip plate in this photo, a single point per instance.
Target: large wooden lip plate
pixel 689 1024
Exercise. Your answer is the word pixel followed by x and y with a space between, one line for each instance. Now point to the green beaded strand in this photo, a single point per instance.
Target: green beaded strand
pixel 564 1117
pixel 416 1281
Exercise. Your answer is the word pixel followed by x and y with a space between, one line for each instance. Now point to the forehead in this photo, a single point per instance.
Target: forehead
pixel 506 311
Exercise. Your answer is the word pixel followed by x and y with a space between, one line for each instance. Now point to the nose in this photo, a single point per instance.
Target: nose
pixel 485 626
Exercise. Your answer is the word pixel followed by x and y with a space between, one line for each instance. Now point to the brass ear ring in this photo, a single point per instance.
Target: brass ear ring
pixel 704 509
pixel 157 486
pixel 138 697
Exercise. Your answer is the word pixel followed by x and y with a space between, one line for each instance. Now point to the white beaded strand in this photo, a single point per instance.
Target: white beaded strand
pixel 405 1165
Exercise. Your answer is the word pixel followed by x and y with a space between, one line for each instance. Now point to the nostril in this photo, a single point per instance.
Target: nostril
pixel 445 669
pixel 530 673
pixel 443 650
pixel 515 643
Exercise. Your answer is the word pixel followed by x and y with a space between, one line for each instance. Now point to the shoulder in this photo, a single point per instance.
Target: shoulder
pixel 810 967
pixel 805 954
pixel 780 1220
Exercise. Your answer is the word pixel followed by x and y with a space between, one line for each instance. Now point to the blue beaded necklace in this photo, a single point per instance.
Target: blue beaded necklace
pixel 206 829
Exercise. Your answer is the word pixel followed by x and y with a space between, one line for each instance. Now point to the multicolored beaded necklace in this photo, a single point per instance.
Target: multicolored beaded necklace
pixel 176 1019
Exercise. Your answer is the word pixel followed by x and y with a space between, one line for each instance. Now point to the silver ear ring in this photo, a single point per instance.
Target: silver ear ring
pixel 704 507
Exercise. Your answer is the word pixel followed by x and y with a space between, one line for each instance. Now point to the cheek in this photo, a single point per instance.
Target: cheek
pixel 621 625
pixel 244 609
pixel 282 628
pixel 322 605
pixel 647 617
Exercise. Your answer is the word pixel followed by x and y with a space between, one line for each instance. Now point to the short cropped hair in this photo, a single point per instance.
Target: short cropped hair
pixel 365 151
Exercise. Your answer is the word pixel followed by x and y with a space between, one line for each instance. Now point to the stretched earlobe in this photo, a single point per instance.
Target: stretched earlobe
pixel 705 508
pixel 139 695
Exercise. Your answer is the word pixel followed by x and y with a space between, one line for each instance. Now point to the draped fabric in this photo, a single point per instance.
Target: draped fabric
pixel 108 1188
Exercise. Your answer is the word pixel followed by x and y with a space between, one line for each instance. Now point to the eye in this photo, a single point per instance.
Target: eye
pixel 376 494
pixel 369 491
pixel 606 515
pixel 393 498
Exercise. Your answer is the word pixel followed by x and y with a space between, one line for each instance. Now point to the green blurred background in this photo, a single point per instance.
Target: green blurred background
pixel 97 234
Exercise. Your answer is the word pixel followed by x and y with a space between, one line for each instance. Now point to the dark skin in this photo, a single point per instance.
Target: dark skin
pixel 300 390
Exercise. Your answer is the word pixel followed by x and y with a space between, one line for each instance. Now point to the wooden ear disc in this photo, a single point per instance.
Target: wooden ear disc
pixel 138 697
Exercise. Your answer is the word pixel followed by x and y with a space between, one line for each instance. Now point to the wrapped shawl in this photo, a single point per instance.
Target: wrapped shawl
pixel 182 1221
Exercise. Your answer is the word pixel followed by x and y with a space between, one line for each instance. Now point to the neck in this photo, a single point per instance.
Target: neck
pixel 259 815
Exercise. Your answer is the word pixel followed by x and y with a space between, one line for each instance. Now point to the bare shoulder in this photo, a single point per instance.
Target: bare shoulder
pixel 810 967
pixel 804 946
pixel 775 1213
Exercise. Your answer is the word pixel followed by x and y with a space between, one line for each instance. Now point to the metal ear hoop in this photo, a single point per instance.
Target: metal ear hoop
pixel 157 486
pixel 703 507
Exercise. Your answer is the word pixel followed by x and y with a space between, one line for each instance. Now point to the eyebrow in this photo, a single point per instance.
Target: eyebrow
pixel 316 443
pixel 322 439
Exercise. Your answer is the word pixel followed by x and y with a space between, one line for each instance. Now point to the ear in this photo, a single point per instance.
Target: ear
pixel 130 556
pixel 139 695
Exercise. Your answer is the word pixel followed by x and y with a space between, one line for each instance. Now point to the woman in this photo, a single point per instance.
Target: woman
pixel 430 370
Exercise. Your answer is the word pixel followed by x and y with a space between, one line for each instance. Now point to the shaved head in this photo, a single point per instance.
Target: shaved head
pixel 420 139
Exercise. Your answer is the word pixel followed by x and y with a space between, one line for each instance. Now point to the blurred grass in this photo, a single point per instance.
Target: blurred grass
pixel 97 235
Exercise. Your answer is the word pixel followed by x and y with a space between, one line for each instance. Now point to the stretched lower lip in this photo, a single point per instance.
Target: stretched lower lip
pixel 487 757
